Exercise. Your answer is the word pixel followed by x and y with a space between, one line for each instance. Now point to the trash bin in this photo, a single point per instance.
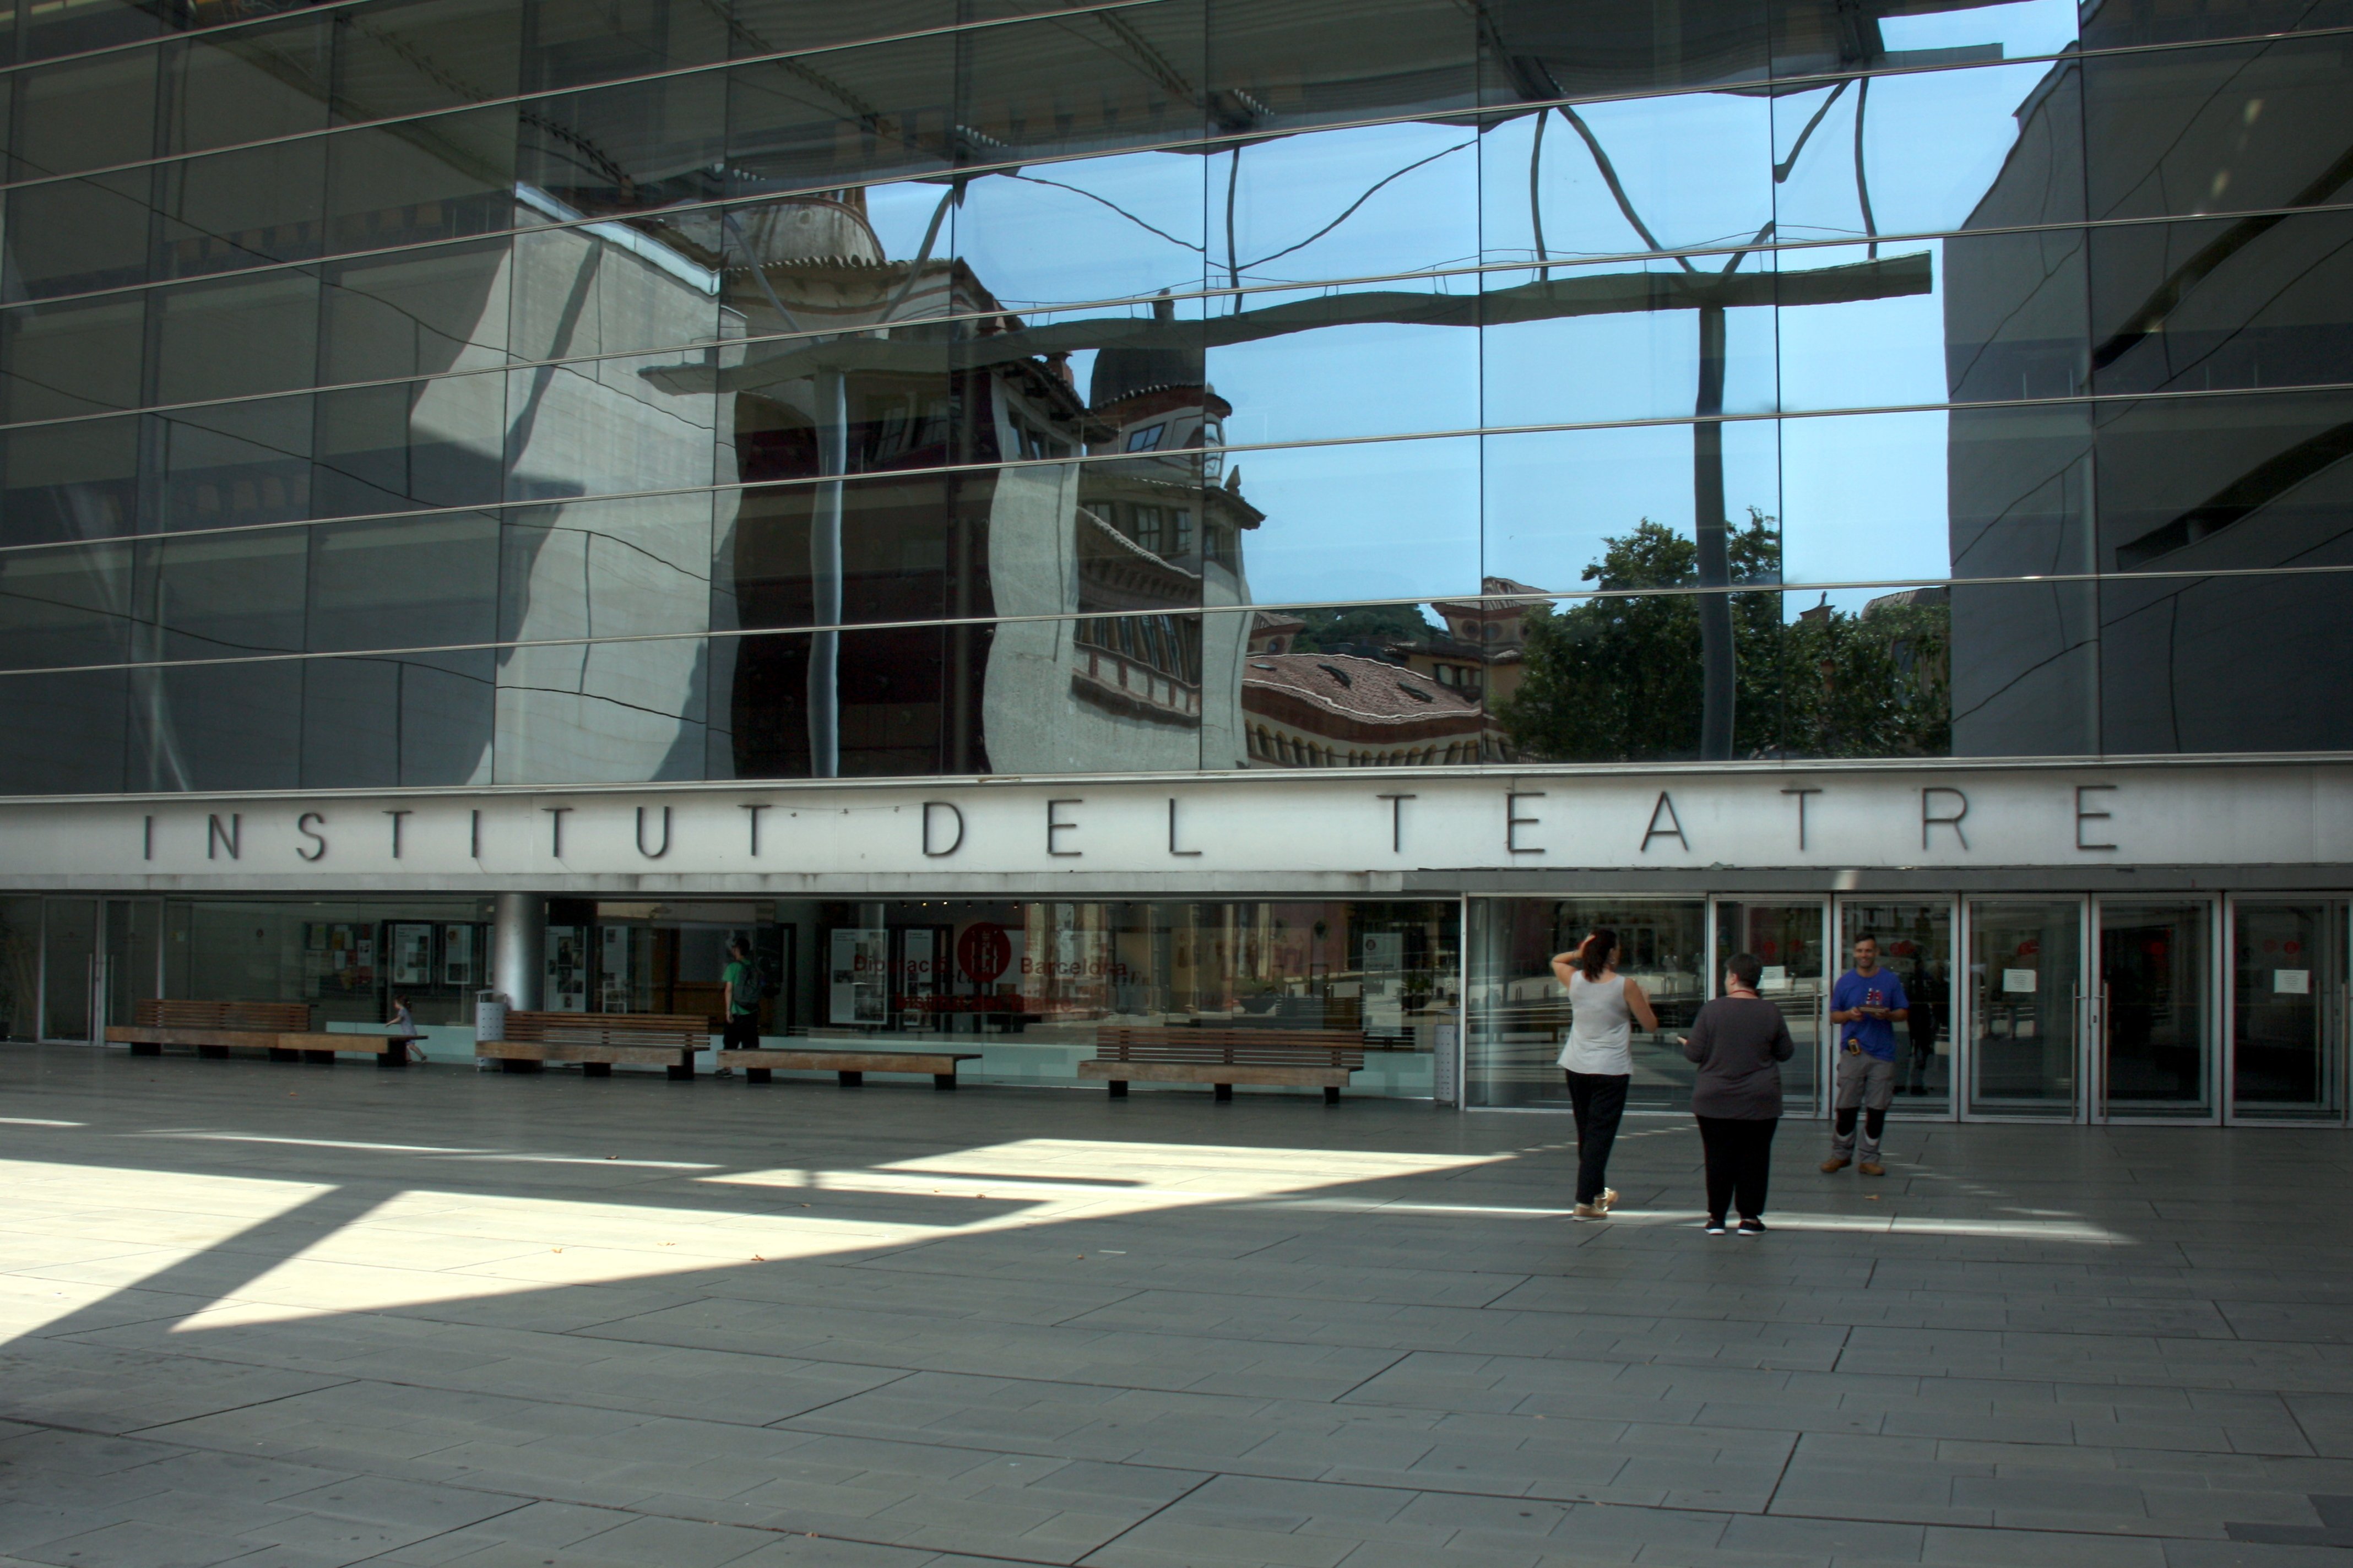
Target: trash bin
pixel 489 1020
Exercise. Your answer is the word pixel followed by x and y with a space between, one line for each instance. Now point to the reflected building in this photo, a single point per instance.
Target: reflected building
pixel 978 502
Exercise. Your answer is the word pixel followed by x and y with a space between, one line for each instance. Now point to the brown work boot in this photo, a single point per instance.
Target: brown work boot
pixel 1589 1211
pixel 1835 1163
pixel 1871 1168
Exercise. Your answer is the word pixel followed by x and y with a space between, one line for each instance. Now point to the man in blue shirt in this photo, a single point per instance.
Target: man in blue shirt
pixel 1865 1006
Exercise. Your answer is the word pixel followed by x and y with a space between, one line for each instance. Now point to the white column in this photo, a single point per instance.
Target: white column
pixel 519 949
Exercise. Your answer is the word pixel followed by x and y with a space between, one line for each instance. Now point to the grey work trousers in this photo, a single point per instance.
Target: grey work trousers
pixel 1864 1083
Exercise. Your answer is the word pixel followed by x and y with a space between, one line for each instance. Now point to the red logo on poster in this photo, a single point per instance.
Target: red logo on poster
pixel 983 951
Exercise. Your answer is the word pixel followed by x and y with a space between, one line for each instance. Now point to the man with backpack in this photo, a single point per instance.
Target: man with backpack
pixel 741 1030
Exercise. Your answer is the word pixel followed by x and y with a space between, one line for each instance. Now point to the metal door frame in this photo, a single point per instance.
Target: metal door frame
pixel 1965 1024
pixel 2338 1029
pixel 2216 976
pixel 95 984
pixel 1956 906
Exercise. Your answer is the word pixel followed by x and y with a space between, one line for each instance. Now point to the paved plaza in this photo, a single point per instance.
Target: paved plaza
pixel 278 1315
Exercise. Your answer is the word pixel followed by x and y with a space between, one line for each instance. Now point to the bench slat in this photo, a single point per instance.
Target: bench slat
pixel 817 1060
pixel 1296 1077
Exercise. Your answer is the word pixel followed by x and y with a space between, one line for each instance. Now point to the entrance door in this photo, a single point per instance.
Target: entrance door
pixel 1916 943
pixel 2026 1008
pixel 1787 937
pixel 2155 1006
pixel 2287 1010
pixel 99 957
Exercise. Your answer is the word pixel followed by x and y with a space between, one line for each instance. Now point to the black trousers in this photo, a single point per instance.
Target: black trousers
pixel 1599 1100
pixel 1739 1159
pixel 742 1033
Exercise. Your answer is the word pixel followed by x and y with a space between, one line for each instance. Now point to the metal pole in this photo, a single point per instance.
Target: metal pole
pixel 825 575
pixel 1717 667
pixel 519 949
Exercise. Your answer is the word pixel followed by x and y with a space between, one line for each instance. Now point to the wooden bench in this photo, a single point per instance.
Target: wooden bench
pixel 215 1028
pixel 597 1042
pixel 1222 1058
pixel 852 1063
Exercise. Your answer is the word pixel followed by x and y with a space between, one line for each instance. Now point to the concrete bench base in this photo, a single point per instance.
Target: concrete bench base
pixel 1219 1075
pixel 850 1066
pixel 304 1046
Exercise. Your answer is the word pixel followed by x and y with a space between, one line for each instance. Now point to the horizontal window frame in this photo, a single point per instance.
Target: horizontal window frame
pixel 1208 143
pixel 1085 308
pixel 740 634
pixel 1011 464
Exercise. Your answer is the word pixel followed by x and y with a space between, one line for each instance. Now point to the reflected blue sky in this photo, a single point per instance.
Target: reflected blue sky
pixel 1858 498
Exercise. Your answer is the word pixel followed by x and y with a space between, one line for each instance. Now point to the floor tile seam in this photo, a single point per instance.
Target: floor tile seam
pixel 521 1499
pixel 805 1355
pixel 1452 1490
pixel 413 1385
pixel 1846 1519
pixel 1104 1546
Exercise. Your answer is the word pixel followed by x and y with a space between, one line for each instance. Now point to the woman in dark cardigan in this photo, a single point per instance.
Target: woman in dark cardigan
pixel 1739 1041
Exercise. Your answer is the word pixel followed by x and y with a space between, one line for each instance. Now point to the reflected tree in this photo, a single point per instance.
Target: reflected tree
pixel 1621 678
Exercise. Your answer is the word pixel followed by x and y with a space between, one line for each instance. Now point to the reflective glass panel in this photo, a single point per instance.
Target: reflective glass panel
pixel 2187 307
pixel 2239 127
pixel 80 718
pixel 1614 508
pixel 2026 979
pixel 1532 49
pixel 1520 1014
pixel 1125 226
pixel 1785 939
pixel 1916 945
pixel 69 481
pixel 248 86
pixel 1648 340
pixel 2287 1010
pixel 1628 175
pixel 1380 519
pixel 2229 483
pixel 2175 654
pixel 65 606
pixel 409 721
pixel 1918 152
pixel 82 357
pixel 2154 989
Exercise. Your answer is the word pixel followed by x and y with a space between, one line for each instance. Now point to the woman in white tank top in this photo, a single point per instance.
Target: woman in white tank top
pixel 1597 1057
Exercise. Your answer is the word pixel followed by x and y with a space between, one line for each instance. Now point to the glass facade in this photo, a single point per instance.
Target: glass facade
pixel 405 392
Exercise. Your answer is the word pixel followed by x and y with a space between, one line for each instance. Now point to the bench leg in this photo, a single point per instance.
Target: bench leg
pixel 679 1072
pixel 595 1070
pixel 518 1064
pixel 277 1054
pixel 1331 1094
pixel 397 1056
pixel 852 1080
pixel 1225 1091
pixel 758 1075
pixel 214 1053
pixel 150 1048
pixel 1118 1088
pixel 944 1080
pixel 319 1059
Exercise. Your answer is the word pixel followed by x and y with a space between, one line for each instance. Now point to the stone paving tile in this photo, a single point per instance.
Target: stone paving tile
pixel 1364 1338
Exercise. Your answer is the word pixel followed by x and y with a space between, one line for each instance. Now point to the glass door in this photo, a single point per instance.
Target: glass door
pixel 2026 1008
pixel 1787 938
pixel 1914 938
pixel 69 970
pixel 2287 1010
pixel 2155 983
pixel 100 958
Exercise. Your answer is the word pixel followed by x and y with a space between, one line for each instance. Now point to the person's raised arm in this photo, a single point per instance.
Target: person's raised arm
pixel 1701 1039
pixel 1564 965
pixel 1639 1005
